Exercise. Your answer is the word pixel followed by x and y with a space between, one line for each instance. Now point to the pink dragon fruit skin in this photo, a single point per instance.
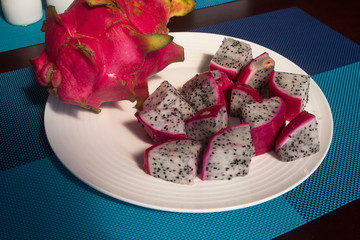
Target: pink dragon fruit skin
pixel 225 84
pixel 231 57
pixel 256 74
pixel 266 119
pixel 102 50
pixel 298 139
pixel 162 124
pixel 228 154
pixel 242 94
pixel 292 88
pixel 206 122
pixel 174 160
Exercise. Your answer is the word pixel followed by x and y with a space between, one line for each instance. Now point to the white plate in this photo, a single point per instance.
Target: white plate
pixel 106 150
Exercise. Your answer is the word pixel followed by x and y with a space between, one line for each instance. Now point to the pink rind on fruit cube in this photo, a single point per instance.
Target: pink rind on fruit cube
pixel 230 72
pixel 299 121
pixel 157 135
pixel 293 103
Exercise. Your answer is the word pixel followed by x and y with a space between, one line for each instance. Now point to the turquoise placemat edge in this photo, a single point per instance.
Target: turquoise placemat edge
pixel 339 172
pixel 43 200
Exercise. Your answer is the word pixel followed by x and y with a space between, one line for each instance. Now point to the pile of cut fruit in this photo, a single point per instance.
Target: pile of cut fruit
pixel 190 126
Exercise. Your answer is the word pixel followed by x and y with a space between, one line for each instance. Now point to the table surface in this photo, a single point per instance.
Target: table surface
pixel 342 16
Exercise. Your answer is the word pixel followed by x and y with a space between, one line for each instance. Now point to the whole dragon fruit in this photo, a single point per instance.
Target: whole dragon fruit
pixel 256 74
pixel 292 88
pixel 206 122
pixel 162 124
pixel 300 138
pixel 167 96
pixel 174 160
pixel 105 50
pixel 266 119
pixel 231 57
pixel 228 154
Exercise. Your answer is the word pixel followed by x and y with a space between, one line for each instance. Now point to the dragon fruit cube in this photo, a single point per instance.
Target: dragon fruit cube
pixel 300 138
pixel 266 119
pixel 167 96
pixel 162 124
pixel 228 154
pixel 174 160
pixel 242 94
pixel 292 88
pixel 256 74
pixel 231 57
pixel 203 91
pixel 205 123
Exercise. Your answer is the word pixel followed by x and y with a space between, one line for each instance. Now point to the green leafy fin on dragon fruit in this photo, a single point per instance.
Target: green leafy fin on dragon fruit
pixel 202 91
pixel 231 57
pixel 162 124
pixel 181 7
pixel 242 94
pixel 266 119
pixel 256 74
pixel 174 160
pixel 300 138
pixel 167 96
pixel 84 62
pixel 292 88
pixel 228 154
pixel 206 122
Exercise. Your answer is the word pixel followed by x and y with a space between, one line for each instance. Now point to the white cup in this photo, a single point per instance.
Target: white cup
pixel 60 5
pixel 22 12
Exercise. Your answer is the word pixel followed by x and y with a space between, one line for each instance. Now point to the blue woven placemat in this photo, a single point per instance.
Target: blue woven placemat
pixel 41 199
pixel 13 37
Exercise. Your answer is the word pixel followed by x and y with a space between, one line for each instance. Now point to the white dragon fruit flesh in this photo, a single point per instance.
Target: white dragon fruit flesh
pixel 228 154
pixel 174 160
pixel 231 57
pixel 256 74
pixel 202 91
pixel 167 96
pixel 162 124
pixel 266 119
pixel 300 138
pixel 242 94
pixel 206 122
pixel 292 88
